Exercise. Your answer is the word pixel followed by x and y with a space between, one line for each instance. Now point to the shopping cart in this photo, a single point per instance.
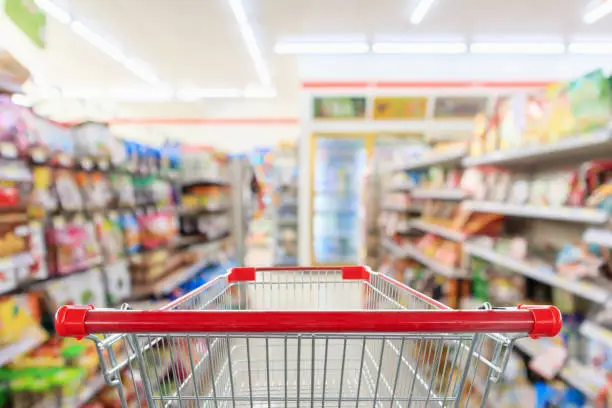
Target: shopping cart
pixel 289 337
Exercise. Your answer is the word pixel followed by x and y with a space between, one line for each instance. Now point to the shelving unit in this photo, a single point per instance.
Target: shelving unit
pixel 285 205
pixel 564 224
pixel 448 233
pixel 598 236
pixel 444 194
pixel 595 144
pixel 449 158
pixel 29 342
pixel 596 332
pixel 566 214
pixel 584 378
pixel 544 274
pixel 410 251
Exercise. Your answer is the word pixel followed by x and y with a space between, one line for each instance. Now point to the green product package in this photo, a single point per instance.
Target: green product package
pixel 480 282
pixel 591 100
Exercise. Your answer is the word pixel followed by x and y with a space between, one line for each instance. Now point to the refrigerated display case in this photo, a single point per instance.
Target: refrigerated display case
pixel 339 165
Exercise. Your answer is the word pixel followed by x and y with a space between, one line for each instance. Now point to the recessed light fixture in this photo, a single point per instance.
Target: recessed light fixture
pixel 194 94
pixel 321 48
pixel 160 91
pixel 137 67
pixel 259 92
pixel 597 12
pixel 517 48
pixel 53 10
pixel 21 100
pixel 422 7
pixel 419 48
pixel 263 73
pixel 590 48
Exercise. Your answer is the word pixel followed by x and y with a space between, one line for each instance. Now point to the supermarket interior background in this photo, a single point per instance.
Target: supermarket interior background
pixel 461 147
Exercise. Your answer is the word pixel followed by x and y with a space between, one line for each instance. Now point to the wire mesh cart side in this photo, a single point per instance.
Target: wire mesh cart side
pixel 310 336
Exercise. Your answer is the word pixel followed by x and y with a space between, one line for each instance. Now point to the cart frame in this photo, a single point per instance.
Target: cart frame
pixel 233 342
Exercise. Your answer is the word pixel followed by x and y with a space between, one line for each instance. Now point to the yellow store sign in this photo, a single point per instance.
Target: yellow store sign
pixel 413 107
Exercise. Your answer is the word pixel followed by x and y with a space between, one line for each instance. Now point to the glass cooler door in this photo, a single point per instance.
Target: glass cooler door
pixel 339 165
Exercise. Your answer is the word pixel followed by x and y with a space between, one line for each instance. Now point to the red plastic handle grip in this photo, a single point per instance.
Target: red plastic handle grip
pixel 247 273
pixel 77 321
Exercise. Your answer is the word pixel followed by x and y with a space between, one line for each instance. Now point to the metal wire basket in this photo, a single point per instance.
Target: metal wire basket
pixel 271 337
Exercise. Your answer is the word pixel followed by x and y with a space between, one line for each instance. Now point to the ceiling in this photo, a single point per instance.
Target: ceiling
pixel 191 43
pixel 198 43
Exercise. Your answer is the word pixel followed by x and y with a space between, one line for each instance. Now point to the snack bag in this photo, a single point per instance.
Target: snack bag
pixel 591 101
pixel 561 121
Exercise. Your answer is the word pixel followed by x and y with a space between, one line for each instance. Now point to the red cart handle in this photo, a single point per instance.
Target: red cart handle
pixel 79 321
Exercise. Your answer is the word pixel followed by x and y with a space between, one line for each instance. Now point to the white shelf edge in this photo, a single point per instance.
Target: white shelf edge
pixel 437 230
pixel 568 144
pixel 410 251
pixel 173 281
pixel 571 371
pixel 392 247
pixel 450 157
pixel 400 187
pixel 439 194
pixel 92 387
pixel 568 214
pixel 596 332
pixel 598 236
pixel 397 208
pixel 28 342
pixel 584 289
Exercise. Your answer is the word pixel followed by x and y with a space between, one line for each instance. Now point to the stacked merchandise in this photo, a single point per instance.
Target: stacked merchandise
pixel 539 157
pixel 286 205
pixel 262 226
pixel 534 229
pixel 87 219
pixel 423 256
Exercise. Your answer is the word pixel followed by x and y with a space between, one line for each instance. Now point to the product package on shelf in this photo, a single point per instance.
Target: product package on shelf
pixel 16 260
pixel 547 116
pixel 73 245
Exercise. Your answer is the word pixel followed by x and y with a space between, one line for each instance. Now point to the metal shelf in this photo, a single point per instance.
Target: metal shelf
pixel 406 187
pixel 573 372
pixel 439 194
pixel 449 158
pixel 410 251
pixel 598 236
pixel 545 275
pixel 92 387
pixel 397 208
pixel 567 214
pixel 28 342
pixel 596 332
pixel 591 145
pixel 438 230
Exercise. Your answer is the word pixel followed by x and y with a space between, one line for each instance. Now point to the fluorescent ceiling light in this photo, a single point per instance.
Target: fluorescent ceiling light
pixel 419 48
pixel 205 93
pixel 137 67
pixel 54 11
pixel 98 41
pixel 263 74
pixel 258 92
pixel 516 48
pixel 603 8
pixel 321 48
pixel 420 10
pixel 152 94
pixel 83 93
pixel 21 100
pixel 590 48
pixel 194 94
